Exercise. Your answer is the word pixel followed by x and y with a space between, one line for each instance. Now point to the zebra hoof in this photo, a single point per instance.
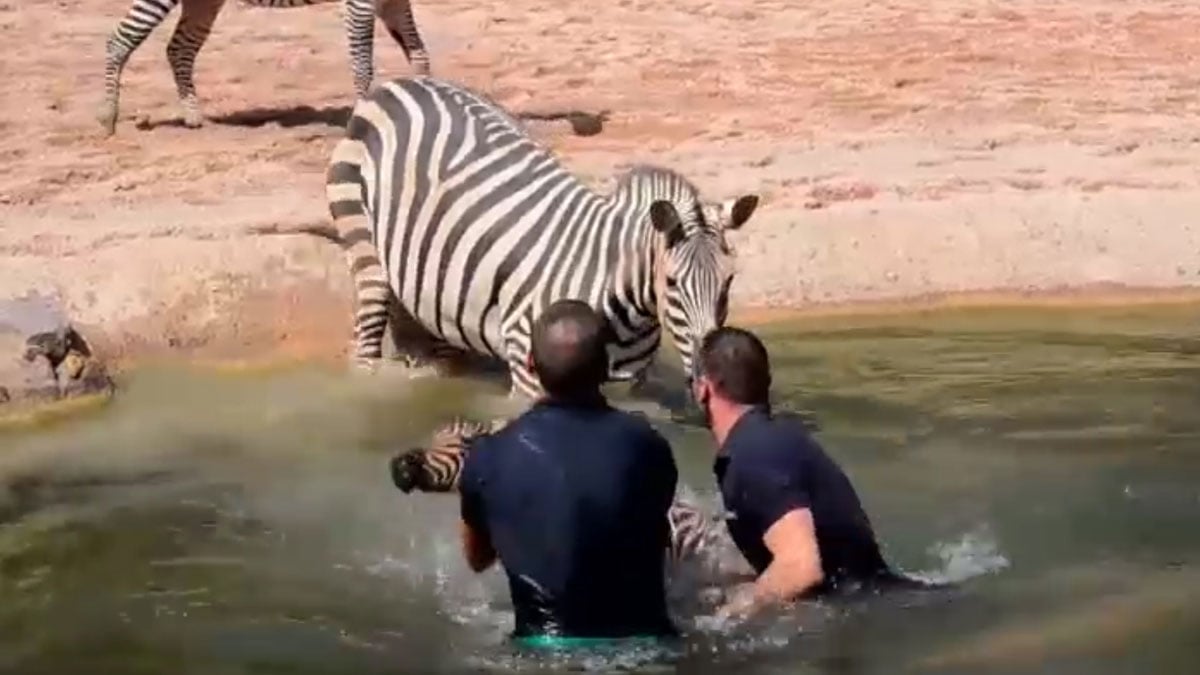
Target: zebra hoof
pixel 365 365
pixel 193 120
pixel 107 117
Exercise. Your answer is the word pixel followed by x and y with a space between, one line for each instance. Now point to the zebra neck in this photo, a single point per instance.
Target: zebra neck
pixel 633 289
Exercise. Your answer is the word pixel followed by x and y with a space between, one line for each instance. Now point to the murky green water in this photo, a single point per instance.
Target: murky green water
pixel 214 524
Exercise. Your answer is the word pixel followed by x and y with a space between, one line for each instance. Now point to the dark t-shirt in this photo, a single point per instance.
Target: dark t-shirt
pixel 771 465
pixel 574 499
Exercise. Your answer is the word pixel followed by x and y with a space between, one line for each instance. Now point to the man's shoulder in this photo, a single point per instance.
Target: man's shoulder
pixel 775 437
pixel 636 424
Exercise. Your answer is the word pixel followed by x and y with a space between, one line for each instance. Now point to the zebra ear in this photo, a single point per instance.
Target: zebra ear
pixel 740 210
pixel 666 219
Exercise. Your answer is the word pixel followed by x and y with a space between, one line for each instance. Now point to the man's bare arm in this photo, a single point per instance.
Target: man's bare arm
pixel 795 566
pixel 477 549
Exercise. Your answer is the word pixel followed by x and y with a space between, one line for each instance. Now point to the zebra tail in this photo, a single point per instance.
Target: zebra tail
pixel 343 188
pixel 344 191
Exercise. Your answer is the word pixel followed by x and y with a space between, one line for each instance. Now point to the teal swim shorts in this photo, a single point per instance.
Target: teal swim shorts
pixel 569 642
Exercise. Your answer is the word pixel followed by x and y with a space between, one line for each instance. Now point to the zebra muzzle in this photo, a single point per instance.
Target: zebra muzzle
pixel 406 470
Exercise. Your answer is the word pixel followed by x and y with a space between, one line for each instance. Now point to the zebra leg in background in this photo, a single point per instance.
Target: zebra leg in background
pixel 359 18
pixel 190 33
pixel 397 17
pixel 142 18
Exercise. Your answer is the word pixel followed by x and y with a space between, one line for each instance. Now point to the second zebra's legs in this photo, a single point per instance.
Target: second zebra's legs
pixel 359 18
pixel 397 17
pixel 139 21
pixel 194 26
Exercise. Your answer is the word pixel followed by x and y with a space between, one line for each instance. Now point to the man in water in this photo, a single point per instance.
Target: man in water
pixel 572 497
pixel 792 512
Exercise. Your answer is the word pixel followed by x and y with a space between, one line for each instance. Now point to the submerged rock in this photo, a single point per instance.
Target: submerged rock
pixel 43 357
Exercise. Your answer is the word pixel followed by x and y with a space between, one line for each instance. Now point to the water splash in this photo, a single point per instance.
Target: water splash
pixel 974 554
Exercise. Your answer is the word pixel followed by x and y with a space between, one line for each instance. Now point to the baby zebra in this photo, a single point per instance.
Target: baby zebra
pixel 437 469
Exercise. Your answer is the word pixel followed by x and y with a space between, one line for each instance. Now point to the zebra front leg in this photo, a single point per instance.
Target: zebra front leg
pixel 360 35
pixel 190 33
pixel 142 18
pixel 397 17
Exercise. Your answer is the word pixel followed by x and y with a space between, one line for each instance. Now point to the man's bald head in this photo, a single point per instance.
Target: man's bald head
pixel 570 353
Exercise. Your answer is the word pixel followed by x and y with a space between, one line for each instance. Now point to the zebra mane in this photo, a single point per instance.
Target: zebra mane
pixel 671 181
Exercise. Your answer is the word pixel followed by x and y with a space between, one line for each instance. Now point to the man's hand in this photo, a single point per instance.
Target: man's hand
pixel 795 566
pixel 477 549
pixel 740 603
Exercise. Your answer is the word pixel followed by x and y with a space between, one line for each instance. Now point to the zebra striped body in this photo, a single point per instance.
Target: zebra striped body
pixel 445 206
pixel 196 23
pixel 438 467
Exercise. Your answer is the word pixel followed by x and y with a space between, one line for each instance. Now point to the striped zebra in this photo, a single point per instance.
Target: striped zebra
pixel 446 207
pixel 437 468
pixel 196 22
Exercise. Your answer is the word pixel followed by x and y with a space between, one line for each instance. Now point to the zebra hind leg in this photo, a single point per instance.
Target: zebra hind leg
pixel 416 347
pixel 373 303
pixel 397 17
pixel 190 33
pixel 142 18
pixel 359 20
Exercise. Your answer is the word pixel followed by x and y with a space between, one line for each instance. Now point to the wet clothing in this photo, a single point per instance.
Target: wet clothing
pixel 769 466
pixel 574 499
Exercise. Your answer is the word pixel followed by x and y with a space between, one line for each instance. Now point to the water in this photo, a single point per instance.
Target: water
pixel 214 524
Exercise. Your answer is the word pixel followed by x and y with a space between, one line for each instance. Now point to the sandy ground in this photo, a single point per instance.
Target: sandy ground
pixel 903 148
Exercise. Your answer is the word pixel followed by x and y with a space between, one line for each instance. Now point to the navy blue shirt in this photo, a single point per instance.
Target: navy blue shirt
pixel 771 465
pixel 574 499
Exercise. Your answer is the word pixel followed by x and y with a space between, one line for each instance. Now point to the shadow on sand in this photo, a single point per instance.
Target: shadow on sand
pixel 582 123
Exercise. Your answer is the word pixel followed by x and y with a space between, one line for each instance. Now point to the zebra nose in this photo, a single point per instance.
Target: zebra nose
pixel 404 471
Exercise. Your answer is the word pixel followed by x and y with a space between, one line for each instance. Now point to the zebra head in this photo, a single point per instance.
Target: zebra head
pixel 409 470
pixel 696 267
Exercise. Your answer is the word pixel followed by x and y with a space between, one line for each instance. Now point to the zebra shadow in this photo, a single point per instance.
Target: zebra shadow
pixel 287 117
pixel 582 123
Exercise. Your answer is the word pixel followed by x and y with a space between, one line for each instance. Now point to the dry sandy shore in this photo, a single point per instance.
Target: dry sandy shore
pixel 903 148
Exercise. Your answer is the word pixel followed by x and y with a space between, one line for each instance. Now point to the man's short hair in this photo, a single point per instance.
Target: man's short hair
pixel 736 362
pixel 570 354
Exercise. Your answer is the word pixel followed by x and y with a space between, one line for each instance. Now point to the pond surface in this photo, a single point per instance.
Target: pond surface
pixel 212 524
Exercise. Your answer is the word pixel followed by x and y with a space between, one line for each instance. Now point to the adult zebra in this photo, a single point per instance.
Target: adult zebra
pixel 446 207
pixel 437 468
pixel 196 23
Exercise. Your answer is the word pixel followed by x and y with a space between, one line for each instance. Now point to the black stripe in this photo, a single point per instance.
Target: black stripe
pixel 580 225
pixel 521 250
pixel 385 222
pixel 576 196
pixel 358 235
pixel 362 263
pixel 360 128
pixel 346 207
pixel 431 125
pixel 456 134
pixel 644 353
pixel 494 231
pixel 497 161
